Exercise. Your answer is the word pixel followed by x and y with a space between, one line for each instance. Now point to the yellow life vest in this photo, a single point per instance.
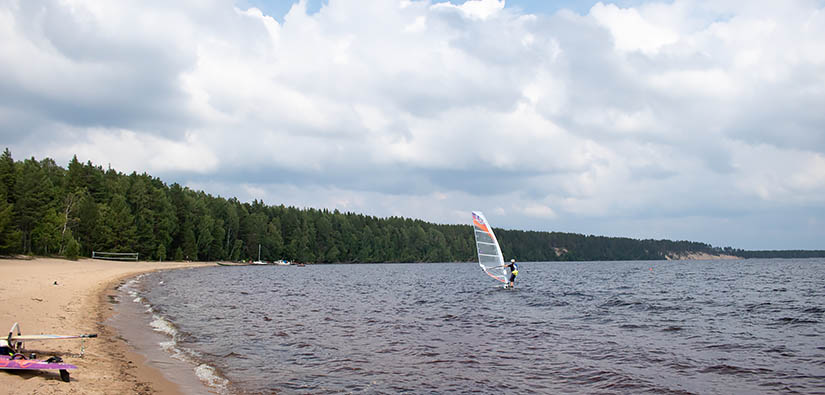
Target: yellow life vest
pixel 515 272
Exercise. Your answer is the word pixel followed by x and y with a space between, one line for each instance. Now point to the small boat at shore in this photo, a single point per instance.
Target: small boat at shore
pixel 259 261
pixel 233 263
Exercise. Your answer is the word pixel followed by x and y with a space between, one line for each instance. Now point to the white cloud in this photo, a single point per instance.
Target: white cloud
pixel 477 9
pixel 779 176
pixel 428 109
pixel 127 151
pixel 539 211
pixel 631 31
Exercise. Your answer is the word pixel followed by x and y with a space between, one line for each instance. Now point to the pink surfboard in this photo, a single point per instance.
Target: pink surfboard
pixel 7 362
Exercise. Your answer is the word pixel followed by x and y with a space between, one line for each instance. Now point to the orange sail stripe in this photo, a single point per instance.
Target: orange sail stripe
pixel 481 226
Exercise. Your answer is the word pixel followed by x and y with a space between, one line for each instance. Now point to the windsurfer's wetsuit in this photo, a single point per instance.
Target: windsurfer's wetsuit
pixel 513 271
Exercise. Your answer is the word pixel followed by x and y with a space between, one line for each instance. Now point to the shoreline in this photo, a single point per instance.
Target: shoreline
pixel 154 338
pixel 57 296
pixel 701 256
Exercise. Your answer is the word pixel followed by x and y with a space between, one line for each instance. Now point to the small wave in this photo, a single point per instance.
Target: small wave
pixel 163 325
pixel 814 310
pixel 781 350
pixel 752 307
pixel 616 302
pixel 796 321
pixel 730 347
pixel 665 308
pixel 168 346
pixel 673 328
pixel 134 281
pixel 210 377
pixel 632 326
pixel 577 294
pixel 733 370
pixel 205 373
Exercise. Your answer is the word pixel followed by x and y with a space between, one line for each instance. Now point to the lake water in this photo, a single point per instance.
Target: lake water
pixel 753 326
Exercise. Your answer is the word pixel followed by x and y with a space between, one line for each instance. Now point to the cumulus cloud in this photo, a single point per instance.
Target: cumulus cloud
pixel 621 120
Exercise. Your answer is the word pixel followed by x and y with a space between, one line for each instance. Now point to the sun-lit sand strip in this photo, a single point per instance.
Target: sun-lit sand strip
pixel 53 296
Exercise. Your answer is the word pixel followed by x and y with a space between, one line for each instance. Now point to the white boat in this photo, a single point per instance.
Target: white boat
pixel 259 261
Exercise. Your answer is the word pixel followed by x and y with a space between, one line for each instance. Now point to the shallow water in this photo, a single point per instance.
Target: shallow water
pixel 724 327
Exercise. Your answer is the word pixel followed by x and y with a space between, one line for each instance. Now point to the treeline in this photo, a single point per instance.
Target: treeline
pixel 779 254
pixel 557 246
pixel 49 210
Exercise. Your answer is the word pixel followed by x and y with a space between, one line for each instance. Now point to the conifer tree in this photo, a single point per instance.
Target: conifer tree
pixel 32 200
pixel 160 254
pixel 119 226
pixel 8 176
pixel 9 236
pixel 88 234
pixel 72 248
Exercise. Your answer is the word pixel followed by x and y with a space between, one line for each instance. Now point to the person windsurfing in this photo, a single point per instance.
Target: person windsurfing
pixel 513 266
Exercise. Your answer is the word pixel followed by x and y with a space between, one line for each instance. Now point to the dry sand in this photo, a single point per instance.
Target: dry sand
pixel 78 303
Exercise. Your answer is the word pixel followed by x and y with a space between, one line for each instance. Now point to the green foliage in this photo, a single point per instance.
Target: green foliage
pixel 46 236
pixel 160 254
pixel 45 209
pixel 88 223
pixel 118 229
pixel 72 248
pixel 8 176
pixel 33 198
pixel 801 254
pixel 9 237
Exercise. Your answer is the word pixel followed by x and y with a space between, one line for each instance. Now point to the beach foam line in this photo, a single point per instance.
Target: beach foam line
pixel 205 373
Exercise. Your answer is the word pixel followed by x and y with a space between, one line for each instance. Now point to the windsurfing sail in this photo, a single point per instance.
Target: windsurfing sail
pixel 489 253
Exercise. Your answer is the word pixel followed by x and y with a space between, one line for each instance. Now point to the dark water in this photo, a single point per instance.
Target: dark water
pixel 755 326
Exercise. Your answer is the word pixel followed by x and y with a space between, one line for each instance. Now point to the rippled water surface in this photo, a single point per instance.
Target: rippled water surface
pixel 755 326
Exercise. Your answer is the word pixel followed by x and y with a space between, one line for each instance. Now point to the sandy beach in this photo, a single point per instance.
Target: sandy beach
pixel 54 296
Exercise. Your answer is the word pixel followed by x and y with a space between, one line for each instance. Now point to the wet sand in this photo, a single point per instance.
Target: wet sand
pixel 54 296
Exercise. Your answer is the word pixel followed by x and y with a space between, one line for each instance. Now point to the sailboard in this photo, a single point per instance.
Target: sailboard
pixel 12 356
pixel 489 253
pixel 19 362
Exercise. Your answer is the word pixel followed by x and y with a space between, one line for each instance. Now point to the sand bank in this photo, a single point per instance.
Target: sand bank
pixel 700 256
pixel 53 296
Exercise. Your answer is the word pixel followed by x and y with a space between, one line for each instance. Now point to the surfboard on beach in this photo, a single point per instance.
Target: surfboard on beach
pixel 18 362
pixel 13 357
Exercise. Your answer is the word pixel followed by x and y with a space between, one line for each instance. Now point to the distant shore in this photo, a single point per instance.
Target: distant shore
pixel 700 256
pixel 55 296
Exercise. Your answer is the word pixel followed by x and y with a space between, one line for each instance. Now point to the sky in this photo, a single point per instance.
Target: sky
pixel 682 120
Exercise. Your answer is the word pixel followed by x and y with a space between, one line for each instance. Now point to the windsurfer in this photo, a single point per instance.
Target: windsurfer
pixel 513 266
